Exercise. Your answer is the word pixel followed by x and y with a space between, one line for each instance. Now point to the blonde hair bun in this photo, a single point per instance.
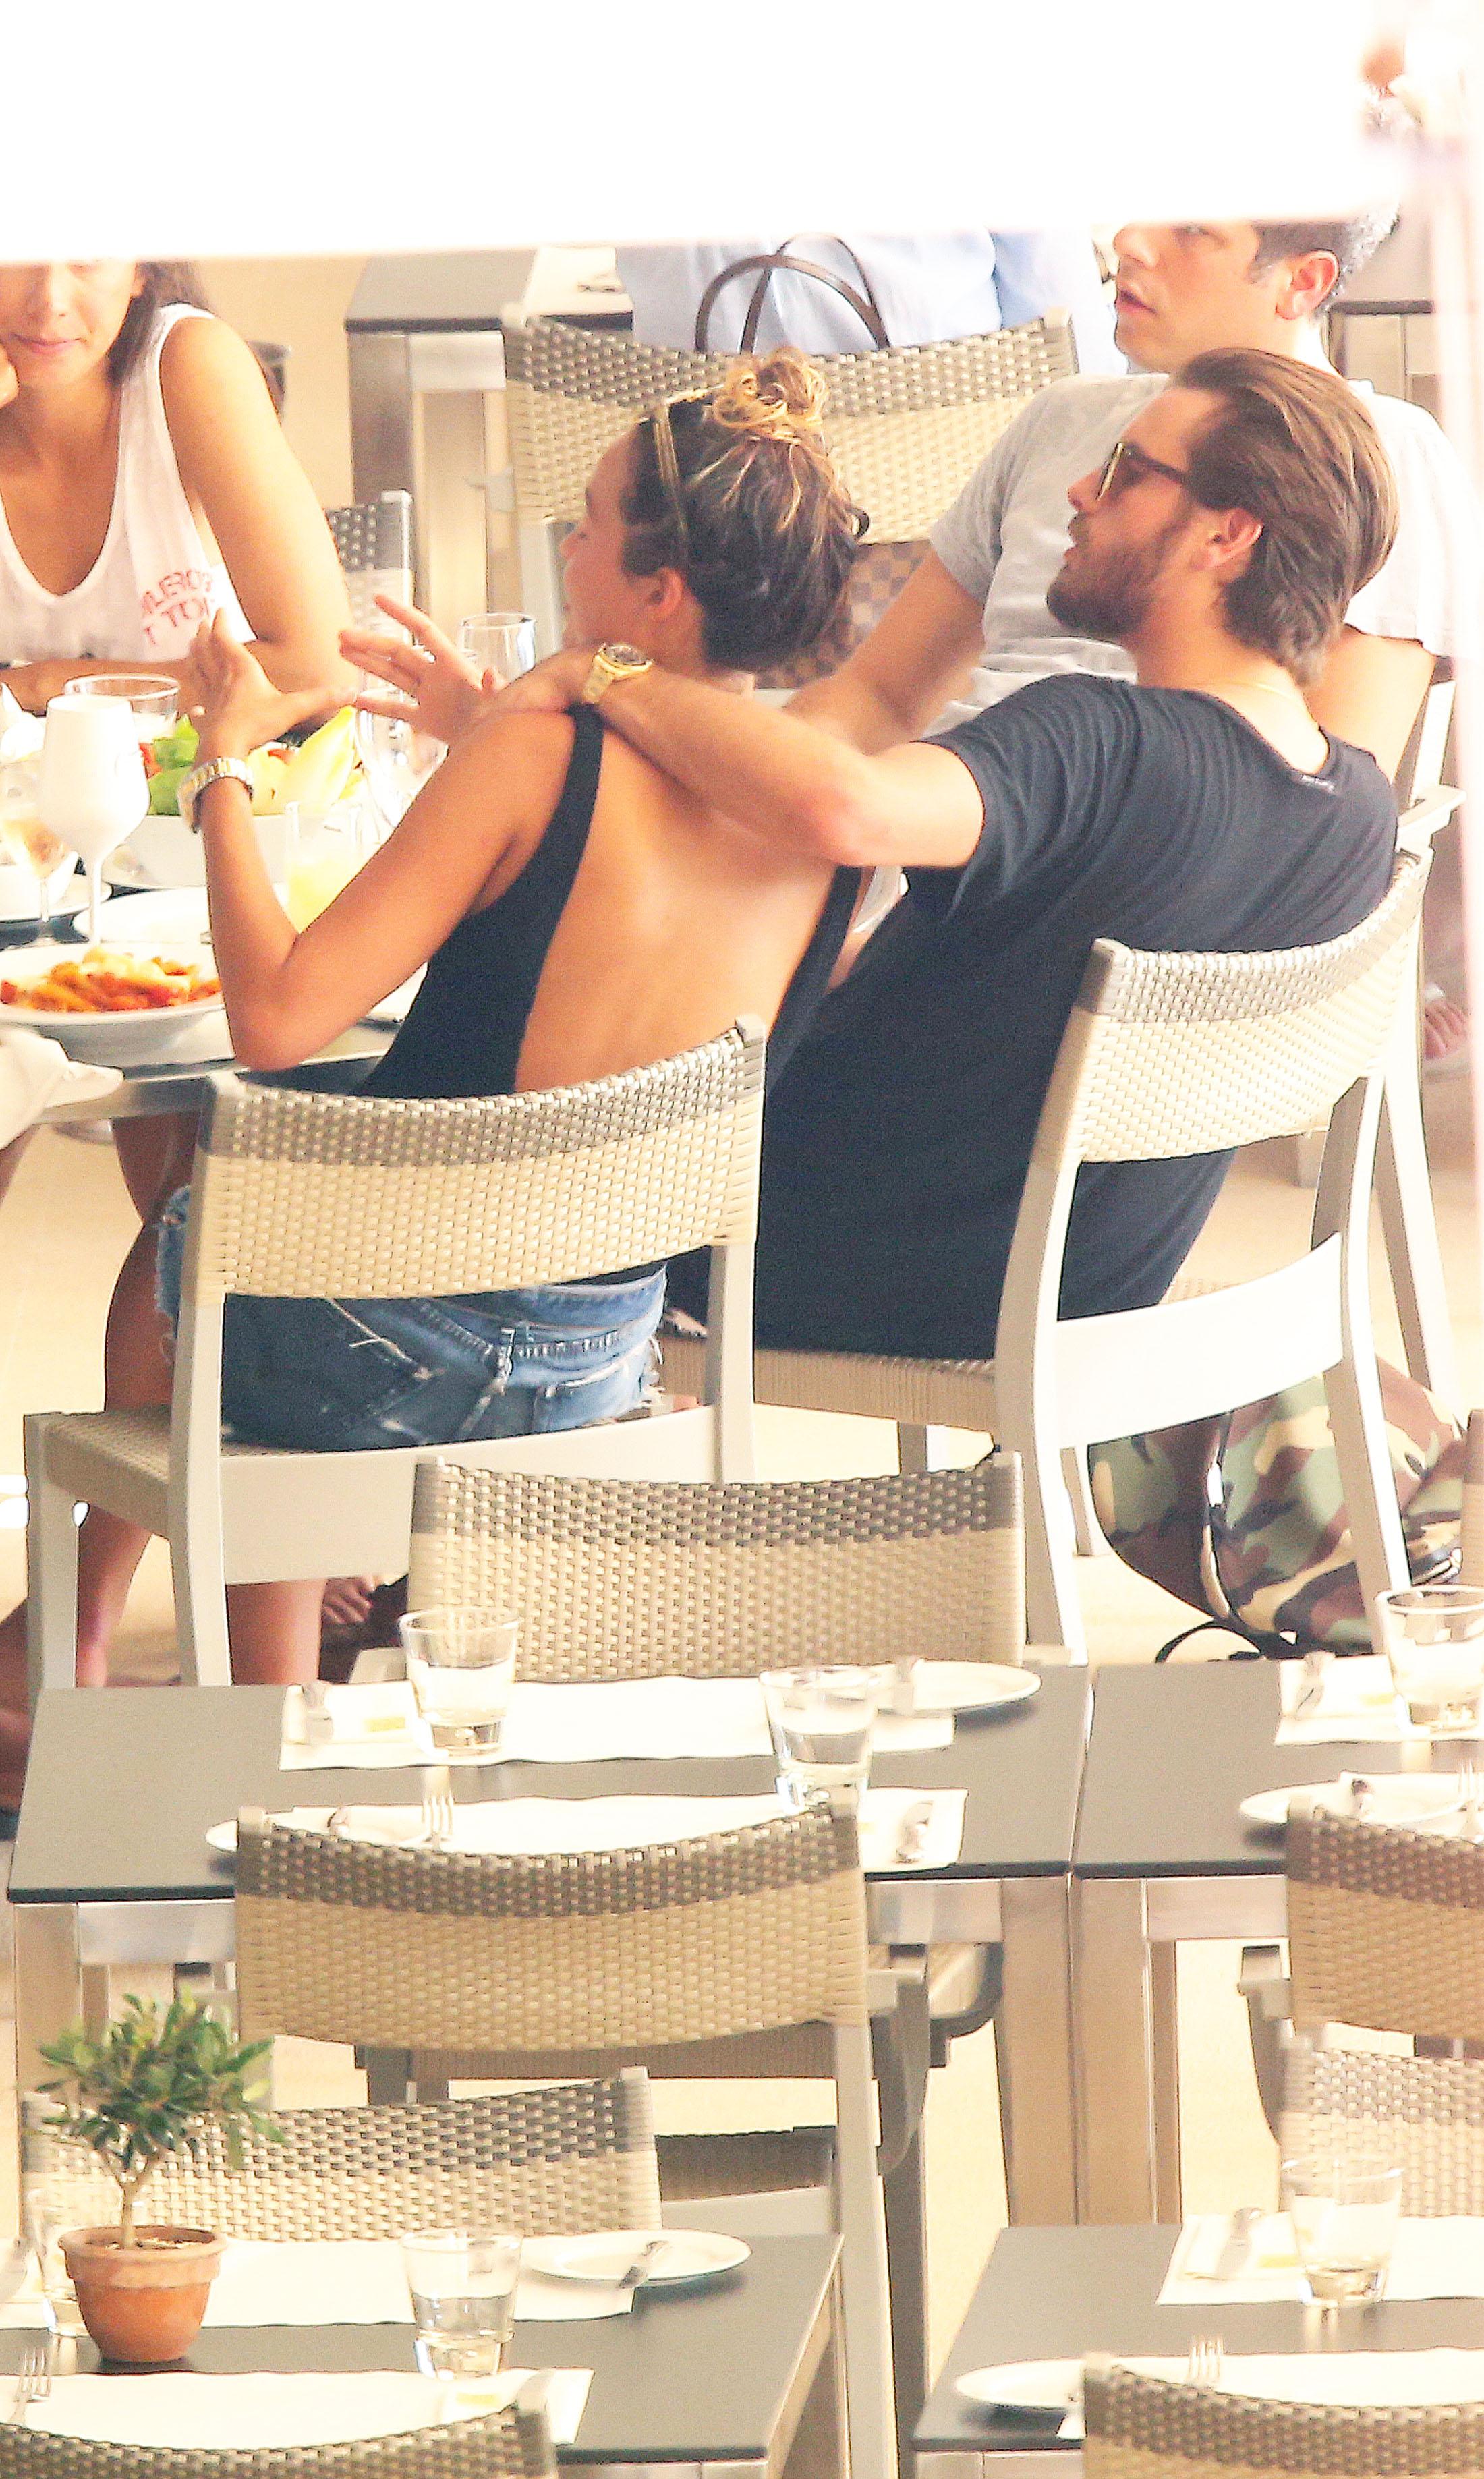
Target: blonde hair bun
pixel 783 397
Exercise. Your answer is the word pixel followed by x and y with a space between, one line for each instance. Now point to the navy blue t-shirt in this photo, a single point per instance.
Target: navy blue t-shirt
pixel 896 1143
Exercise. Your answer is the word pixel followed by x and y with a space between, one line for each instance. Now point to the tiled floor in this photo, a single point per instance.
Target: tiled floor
pixel 65 1227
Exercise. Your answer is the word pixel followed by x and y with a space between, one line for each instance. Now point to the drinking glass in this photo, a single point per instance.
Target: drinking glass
pixel 323 855
pixel 37 848
pixel 502 642
pixel 1434 1639
pixel 152 698
pixel 91 790
pixel 1344 2214
pixel 398 759
pixel 461 1663
pixel 463 2285
pixel 820 1721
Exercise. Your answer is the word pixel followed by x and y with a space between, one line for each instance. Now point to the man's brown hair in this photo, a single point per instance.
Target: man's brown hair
pixel 1293 446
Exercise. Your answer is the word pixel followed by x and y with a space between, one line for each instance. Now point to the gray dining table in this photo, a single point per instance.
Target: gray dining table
pixel 1061 2293
pixel 1163 1857
pixel 712 2382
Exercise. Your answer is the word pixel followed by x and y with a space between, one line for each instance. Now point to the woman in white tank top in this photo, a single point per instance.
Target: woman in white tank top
pixel 144 485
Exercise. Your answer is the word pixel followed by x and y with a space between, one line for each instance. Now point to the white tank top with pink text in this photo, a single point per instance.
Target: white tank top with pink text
pixel 154 581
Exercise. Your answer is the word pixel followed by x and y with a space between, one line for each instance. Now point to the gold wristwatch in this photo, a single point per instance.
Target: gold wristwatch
pixel 610 663
pixel 212 771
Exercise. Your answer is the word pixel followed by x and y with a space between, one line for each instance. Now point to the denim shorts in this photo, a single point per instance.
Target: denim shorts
pixel 327 1375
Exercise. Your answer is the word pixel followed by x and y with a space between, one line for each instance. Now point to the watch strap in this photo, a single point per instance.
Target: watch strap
pixel 214 770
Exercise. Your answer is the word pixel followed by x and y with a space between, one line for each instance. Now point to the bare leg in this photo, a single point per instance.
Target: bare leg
pixel 275 1632
pixel 154 1155
pixel 136 1371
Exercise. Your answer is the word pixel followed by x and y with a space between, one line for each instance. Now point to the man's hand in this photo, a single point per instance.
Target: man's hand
pixel 551 688
pixel 439 690
pixel 240 708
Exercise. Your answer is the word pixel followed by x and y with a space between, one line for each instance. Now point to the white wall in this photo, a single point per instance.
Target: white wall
pixel 300 302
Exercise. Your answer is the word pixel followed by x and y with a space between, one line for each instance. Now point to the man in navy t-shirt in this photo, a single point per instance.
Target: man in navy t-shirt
pixel 1221 543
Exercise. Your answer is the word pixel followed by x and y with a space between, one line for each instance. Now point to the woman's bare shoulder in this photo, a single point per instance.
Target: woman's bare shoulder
pixel 524 756
pixel 201 358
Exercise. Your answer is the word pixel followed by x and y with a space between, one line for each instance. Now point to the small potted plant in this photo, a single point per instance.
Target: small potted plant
pixel 149 2085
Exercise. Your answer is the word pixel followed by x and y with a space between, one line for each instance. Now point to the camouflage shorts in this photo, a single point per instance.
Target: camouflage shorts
pixel 1241 1516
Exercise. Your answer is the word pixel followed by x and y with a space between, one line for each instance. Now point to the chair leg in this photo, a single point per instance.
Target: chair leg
pixel 907 2253
pixel 1356 1417
pixel 197 1570
pixel 51 1590
pixel 864 2287
pixel 1052 1609
pixel 920 1449
pixel 1085 1527
pixel 1409 1228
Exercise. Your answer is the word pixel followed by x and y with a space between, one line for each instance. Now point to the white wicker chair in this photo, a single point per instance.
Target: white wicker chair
pixel 510 2444
pixel 1142 2427
pixel 1425 2115
pixel 680 1956
pixel 1165 1055
pixel 907 425
pixel 312 1194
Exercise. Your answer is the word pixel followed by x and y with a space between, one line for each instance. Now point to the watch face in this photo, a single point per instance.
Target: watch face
pixel 629 659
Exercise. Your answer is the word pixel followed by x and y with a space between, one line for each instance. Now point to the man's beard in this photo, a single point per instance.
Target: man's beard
pixel 1110 595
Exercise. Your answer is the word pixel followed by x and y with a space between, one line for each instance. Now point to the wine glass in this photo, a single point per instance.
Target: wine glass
pixel 502 642
pixel 37 848
pixel 152 698
pixel 397 760
pixel 91 790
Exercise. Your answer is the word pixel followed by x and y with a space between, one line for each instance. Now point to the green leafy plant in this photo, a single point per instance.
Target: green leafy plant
pixel 150 2085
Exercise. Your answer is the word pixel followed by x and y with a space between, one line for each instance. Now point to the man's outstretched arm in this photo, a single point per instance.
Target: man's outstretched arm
pixel 781 779
pixel 897 683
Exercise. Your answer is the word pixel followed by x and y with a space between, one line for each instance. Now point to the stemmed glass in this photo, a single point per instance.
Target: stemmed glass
pixel 502 642
pixel 91 790
pixel 395 758
pixel 37 848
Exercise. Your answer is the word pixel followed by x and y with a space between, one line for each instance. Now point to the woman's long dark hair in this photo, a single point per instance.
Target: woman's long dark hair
pixel 166 280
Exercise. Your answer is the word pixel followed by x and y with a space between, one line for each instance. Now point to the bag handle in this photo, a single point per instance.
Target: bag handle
pixel 765 265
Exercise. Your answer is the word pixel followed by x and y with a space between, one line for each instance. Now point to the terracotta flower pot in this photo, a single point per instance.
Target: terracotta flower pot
pixel 142 2304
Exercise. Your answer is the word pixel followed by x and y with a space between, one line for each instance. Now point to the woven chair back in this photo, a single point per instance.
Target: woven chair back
pixel 543 2162
pixel 641 1580
pixel 905 427
pixel 510 2444
pixel 1141 2427
pixel 1386 1927
pixel 373 542
pixel 1193 1053
pixel 304 1195
pixel 1470 1564
pixel 613 1954
pixel 1423 2115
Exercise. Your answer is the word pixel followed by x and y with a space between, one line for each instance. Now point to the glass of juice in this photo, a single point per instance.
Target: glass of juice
pixel 325 853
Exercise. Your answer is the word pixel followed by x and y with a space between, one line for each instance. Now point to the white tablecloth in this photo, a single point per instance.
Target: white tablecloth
pixel 1431 2259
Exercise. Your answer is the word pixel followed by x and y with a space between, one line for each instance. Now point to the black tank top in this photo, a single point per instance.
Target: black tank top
pixel 463 1032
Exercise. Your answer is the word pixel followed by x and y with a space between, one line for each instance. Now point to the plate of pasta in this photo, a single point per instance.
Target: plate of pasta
pixel 124 1006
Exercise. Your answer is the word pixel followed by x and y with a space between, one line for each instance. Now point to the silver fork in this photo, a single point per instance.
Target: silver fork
pixel 1204 2364
pixel 437 1809
pixel 33 2384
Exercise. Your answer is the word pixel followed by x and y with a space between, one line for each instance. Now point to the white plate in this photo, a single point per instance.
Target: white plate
pixel 17 898
pixel 148 1036
pixel 1032 2384
pixel 1417 1799
pixel 968 1687
pixel 605 2256
pixel 173 917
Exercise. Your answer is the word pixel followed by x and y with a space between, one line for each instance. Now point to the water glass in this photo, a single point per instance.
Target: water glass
pixel 502 642
pixel 463 2285
pixel 1434 1639
pixel 820 1721
pixel 323 855
pixel 1344 2214
pixel 461 1663
pixel 153 698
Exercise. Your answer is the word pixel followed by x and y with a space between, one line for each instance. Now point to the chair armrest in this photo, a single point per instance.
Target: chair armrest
pixel 1264 1982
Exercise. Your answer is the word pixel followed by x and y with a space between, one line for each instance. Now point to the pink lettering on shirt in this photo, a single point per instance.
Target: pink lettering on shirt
pixel 178 600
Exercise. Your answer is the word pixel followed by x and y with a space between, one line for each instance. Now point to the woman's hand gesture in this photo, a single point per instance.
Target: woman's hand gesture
pixel 239 708
pixel 437 689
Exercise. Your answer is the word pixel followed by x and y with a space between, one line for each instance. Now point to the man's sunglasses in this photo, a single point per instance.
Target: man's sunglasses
pixel 1125 466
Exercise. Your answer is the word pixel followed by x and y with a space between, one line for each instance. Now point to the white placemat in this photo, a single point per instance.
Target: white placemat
pixel 1397 2378
pixel 516 1826
pixel 1431 2259
pixel 278 2410
pixel 378 1725
pixel 361 2281
pixel 1347 1699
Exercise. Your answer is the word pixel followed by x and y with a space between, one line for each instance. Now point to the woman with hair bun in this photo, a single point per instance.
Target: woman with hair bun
pixel 580 914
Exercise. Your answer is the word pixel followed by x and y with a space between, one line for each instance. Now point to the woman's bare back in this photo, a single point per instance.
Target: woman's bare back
pixel 676 924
